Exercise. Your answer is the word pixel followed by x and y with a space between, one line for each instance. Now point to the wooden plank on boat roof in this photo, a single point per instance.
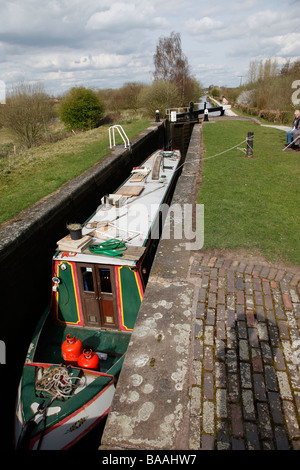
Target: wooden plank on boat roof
pixel 67 244
pixel 130 190
pixel 133 253
pixel 137 178
pixel 156 167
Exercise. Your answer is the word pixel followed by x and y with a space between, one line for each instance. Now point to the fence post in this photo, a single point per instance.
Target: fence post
pixel 250 139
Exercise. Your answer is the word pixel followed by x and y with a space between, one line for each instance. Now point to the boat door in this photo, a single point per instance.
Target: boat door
pixel 98 295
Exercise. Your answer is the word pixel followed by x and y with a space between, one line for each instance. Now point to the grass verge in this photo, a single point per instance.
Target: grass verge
pixel 28 176
pixel 251 203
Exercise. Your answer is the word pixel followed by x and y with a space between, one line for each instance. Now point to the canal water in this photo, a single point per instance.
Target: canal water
pixel 206 102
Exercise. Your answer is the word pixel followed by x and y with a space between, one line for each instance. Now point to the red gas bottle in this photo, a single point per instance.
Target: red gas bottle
pixel 71 349
pixel 89 360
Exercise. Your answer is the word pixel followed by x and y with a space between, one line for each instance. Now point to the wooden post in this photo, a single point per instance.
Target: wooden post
pixel 250 144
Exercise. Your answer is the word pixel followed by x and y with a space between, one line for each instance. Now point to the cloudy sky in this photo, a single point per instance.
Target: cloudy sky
pixel 105 43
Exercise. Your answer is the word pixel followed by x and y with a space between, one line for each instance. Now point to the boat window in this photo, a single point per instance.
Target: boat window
pixel 105 280
pixel 87 279
pixel 93 319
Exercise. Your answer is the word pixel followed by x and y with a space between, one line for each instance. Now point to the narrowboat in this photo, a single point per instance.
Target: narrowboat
pixel 99 274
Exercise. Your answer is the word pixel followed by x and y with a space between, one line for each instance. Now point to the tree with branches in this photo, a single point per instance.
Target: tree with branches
pixel 169 61
pixel 27 112
pixel 172 65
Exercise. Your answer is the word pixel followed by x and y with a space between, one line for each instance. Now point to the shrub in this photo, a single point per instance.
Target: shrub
pixel 27 112
pixel 81 109
pixel 6 149
pixel 283 117
pixel 161 95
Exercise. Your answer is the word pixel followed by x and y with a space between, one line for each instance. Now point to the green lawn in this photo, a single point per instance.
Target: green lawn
pixel 28 176
pixel 251 203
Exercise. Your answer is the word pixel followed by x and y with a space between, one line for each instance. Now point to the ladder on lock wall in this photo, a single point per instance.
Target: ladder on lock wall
pixel 112 139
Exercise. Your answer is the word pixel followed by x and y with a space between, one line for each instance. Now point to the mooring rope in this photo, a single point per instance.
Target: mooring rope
pixel 228 150
pixel 221 153
pixel 58 382
pixel 113 247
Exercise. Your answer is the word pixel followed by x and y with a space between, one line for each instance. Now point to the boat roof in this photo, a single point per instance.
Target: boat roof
pixel 128 214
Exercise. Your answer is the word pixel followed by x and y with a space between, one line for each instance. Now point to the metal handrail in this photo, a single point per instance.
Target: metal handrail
pixel 122 133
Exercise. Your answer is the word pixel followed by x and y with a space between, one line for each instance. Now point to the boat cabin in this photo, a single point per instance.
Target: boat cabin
pixel 99 279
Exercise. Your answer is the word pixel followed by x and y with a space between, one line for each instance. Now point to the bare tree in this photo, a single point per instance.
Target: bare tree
pixel 253 71
pixel 27 112
pixel 171 64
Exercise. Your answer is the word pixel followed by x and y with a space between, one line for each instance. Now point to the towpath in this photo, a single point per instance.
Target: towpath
pixel 230 113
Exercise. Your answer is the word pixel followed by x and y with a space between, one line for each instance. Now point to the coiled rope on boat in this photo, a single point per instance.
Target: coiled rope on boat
pixel 58 382
pixel 113 247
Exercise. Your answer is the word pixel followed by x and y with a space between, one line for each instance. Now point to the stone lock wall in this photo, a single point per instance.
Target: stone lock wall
pixel 28 242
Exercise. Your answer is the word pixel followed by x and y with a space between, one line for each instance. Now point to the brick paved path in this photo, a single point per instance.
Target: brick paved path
pixel 245 386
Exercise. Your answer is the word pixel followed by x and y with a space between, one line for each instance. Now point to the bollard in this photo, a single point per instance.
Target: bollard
pixel 250 139
pixel 206 115
pixel 157 116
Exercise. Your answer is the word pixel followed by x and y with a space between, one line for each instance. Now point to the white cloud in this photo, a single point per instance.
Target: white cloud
pixel 122 16
pixel 69 61
pixel 202 26
pixel 288 45
pixel 244 5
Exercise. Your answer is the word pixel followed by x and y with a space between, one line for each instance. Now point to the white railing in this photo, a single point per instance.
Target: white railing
pixel 112 139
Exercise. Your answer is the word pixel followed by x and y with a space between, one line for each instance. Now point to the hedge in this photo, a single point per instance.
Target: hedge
pixel 282 117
